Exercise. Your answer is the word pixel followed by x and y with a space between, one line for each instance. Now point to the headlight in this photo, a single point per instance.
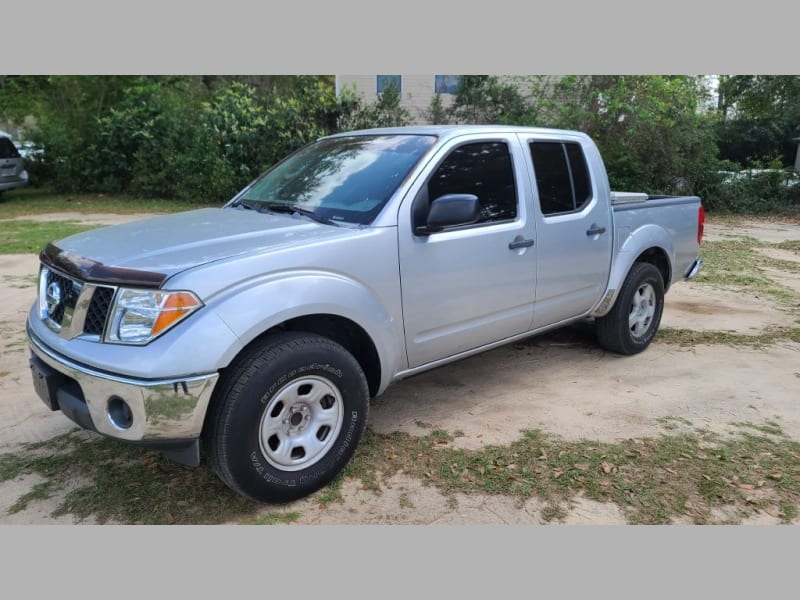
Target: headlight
pixel 139 316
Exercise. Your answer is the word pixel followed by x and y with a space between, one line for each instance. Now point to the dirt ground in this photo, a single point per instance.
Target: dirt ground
pixel 560 384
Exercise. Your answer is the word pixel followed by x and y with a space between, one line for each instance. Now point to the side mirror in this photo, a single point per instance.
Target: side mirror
pixel 451 210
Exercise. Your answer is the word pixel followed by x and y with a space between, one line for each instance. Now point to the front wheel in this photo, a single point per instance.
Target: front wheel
pixel 287 417
pixel 632 322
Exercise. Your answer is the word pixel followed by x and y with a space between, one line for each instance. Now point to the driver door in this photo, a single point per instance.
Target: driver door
pixel 468 285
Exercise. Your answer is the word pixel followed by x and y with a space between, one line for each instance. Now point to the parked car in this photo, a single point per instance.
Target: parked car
pixel 12 166
pixel 30 150
pixel 264 327
pixel 787 177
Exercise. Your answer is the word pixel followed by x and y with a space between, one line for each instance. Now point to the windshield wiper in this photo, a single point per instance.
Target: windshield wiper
pixel 289 208
pixel 257 206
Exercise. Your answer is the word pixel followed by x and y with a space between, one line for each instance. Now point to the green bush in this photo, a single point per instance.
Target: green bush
pixel 755 193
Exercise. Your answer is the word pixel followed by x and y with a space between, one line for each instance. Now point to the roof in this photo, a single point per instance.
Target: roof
pixel 445 131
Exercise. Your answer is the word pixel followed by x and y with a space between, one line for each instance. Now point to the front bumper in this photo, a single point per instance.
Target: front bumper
pixel 163 412
pixel 10 183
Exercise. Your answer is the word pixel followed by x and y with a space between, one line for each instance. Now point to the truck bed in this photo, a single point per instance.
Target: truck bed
pixel 636 214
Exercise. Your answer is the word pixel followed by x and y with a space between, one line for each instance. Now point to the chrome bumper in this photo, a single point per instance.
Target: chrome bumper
pixel 694 268
pixel 164 409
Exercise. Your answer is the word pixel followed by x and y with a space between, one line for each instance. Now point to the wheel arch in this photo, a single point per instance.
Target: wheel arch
pixel 657 257
pixel 651 244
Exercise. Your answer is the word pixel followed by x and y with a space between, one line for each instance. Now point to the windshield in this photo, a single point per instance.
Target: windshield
pixel 340 179
pixel 7 148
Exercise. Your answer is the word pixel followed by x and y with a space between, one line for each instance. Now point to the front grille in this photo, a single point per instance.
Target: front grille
pixel 98 311
pixel 72 308
pixel 68 291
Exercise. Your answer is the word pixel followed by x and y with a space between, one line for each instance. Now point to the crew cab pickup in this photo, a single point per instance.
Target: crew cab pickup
pixel 258 331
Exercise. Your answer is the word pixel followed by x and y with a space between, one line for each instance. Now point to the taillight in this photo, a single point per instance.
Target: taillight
pixel 701 221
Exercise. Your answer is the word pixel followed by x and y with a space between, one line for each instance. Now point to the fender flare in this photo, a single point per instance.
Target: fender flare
pixel 645 238
pixel 255 306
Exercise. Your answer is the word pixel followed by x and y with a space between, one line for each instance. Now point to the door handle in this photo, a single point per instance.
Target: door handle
pixel 520 244
pixel 595 230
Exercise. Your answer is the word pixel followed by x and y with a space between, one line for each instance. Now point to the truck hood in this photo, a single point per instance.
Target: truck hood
pixel 172 243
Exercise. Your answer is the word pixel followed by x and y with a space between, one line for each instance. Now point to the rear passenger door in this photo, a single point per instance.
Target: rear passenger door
pixel 574 234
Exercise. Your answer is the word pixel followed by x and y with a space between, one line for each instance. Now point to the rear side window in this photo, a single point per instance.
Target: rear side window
pixel 7 148
pixel 483 169
pixel 562 176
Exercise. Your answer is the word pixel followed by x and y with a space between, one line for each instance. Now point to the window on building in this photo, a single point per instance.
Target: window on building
pixel 389 81
pixel 447 84
pixel 562 177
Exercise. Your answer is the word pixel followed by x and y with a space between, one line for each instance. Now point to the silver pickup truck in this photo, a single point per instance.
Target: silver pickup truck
pixel 260 330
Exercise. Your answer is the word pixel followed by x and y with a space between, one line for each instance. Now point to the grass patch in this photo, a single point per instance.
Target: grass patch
pixel 36 201
pixel 671 423
pixel 734 264
pixel 125 483
pixel 29 237
pixel 692 337
pixel 405 502
pixel 40 491
pixel 780 264
pixel 768 427
pixel 332 492
pixel 652 480
pixel 20 281
pixel 553 512
pixel 788 245
pixel 276 518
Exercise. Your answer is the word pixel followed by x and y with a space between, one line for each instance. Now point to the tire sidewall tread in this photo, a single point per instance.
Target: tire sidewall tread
pixel 612 329
pixel 233 436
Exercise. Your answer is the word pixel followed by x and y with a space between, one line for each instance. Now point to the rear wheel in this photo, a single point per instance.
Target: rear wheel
pixel 632 322
pixel 287 418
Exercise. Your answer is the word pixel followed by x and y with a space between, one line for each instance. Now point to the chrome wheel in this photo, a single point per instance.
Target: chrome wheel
pixel 301 423
pixel 643 307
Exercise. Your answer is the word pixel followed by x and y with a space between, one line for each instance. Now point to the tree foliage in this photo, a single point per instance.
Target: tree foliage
pixel 205 137
pixel 649 129
pixel 386 111
pixel 197 138
pixel 760 118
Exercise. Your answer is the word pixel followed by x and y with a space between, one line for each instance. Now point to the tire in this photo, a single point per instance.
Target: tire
pixel 632 322
pixel 288 417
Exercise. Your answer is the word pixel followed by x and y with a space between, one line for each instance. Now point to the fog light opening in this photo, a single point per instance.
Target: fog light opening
pixel 119 413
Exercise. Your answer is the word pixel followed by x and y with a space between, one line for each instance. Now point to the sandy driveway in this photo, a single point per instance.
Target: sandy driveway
pixel 563 384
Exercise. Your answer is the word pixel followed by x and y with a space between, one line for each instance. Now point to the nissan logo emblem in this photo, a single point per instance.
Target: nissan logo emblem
pixel 53 297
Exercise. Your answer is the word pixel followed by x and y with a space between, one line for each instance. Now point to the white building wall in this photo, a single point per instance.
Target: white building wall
pixel 417 92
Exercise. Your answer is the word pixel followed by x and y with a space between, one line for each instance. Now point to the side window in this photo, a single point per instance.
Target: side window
pixel 580 174
pixel 562 176
pixel 483 169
